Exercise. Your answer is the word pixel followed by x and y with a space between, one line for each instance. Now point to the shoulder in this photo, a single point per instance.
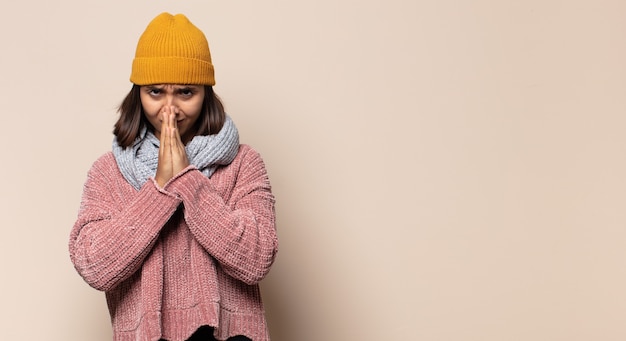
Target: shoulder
pixel 105 160
pixel 248 157
pixel 248 164
pixel 247 152
pixel 104 165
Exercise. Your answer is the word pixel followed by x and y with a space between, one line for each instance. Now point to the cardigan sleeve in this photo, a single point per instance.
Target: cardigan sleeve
pixel 112 235
pixel 239 233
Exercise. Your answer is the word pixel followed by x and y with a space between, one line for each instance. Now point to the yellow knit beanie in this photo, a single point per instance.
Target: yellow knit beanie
pixel 172 51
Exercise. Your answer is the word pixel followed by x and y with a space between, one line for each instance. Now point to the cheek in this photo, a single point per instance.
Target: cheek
pixel 151 112
pixel 150 108
pixel 153 119
pixel 192 109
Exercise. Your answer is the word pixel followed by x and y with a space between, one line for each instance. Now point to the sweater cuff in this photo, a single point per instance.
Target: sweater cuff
pixel 172 186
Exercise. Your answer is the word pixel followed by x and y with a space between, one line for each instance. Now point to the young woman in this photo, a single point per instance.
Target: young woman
pixel 176 223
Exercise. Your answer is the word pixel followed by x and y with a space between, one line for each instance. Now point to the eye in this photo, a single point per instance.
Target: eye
pixel 154 91
pixel 186 92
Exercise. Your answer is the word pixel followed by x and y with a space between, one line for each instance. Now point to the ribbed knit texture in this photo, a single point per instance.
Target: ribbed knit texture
pixel 172 50
pixel 173 259
pixel 140 161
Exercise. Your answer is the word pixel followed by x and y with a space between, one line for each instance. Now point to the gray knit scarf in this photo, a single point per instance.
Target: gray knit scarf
pixel 139 161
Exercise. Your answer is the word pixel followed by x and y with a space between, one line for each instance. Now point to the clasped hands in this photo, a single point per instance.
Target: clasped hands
pixel 172 155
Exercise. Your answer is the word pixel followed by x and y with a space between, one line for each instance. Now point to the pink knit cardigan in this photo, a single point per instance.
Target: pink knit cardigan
pixel 174 258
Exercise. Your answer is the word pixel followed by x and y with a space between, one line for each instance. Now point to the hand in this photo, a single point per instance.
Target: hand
pixel 172 155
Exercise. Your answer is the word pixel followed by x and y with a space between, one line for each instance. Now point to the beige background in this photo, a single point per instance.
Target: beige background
pixel 445 170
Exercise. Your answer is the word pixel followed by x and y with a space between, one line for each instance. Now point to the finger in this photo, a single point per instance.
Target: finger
pixel 163 121
pixel 165 115
pixel 166 133
pixel 178 148
pixel 174 124
pixel 164 166
pixel 177 143
pixel 173 129
pixel 163 134
pixel 179 154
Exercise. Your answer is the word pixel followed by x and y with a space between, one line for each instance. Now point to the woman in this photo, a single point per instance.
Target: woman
pixel 176 223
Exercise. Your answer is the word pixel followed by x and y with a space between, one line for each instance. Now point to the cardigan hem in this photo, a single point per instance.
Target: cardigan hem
pixel 180 324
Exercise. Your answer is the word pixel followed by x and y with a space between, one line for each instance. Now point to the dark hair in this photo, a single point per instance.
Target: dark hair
pixel 132 118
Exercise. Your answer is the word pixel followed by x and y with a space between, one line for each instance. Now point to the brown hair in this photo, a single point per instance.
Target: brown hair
pixel 132 118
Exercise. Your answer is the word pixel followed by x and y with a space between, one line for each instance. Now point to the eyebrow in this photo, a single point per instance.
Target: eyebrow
pixel 175 87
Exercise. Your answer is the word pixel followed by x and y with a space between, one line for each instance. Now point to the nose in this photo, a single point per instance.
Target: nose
pixel 171 101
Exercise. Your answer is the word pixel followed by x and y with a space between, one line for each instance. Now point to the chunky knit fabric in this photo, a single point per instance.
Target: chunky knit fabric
pixel 207 152
pixel 172 50
pixel 174 258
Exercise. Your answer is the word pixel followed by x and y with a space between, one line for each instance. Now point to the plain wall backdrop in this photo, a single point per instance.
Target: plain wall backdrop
pixel 445 170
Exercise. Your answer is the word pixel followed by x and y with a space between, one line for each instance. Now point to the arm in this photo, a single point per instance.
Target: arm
pixel 112 236
pixel 240 234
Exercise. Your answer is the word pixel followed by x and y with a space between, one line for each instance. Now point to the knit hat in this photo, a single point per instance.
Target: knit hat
pixel 172 51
